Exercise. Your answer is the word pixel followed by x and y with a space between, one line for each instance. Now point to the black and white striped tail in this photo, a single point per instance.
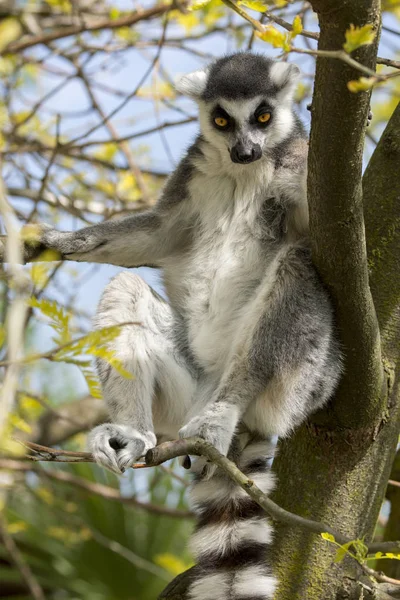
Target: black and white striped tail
pixel 232 538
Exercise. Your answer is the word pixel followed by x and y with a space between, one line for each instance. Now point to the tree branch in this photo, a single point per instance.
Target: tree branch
pixel 382 219
pixel 199 447
pixel 125 21
pixel 336 213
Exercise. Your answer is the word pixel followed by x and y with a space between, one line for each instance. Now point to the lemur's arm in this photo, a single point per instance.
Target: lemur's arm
pixel 142 239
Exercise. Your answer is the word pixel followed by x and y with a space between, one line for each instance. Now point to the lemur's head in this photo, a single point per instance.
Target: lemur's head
pixel 245 103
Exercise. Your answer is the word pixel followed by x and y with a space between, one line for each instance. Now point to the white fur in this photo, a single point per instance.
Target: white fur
pixel 252 581
pixel 217 491
pixel 222 538
pixel 254 451
pixel 206 588
pixel 137 444
pixel 193 84
pixel 282 72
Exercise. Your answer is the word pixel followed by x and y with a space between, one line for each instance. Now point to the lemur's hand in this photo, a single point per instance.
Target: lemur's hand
pixel 216 425
pixel 118 447
pixel 33 244
pixel 64 244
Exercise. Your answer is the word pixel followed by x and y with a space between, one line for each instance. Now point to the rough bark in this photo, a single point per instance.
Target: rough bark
pixel 335 468
pixel 338 125
pixel 392 567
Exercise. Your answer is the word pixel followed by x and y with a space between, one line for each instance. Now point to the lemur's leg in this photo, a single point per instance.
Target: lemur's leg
pixel 161 385
pixel 285 360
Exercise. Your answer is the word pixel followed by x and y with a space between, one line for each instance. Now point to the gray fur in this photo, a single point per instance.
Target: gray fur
pixel 247 340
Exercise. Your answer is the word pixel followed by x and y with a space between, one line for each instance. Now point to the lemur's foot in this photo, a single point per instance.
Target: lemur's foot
pixel 118 447
pixel 216 426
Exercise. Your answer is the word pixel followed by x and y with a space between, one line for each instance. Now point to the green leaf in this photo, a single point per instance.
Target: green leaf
pixel 358 36
pixel 92 383
pixel 274 37
pixel 59 319
pixel 361 85
pixel 328 537
pixel 381 555
pixel 254 5
pixel 10 30
pixel 297 26
pixel 342 551
pixel 198 4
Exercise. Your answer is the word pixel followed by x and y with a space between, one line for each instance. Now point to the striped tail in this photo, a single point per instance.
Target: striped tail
pixel 232 538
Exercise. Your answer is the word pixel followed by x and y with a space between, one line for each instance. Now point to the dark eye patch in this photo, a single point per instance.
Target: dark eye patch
pixel 220 113
pixel 263 108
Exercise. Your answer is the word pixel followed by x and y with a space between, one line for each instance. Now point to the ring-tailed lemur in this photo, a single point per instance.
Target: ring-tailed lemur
pixel 245 348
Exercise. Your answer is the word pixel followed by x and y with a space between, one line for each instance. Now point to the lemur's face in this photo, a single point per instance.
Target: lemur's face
pixel 245 104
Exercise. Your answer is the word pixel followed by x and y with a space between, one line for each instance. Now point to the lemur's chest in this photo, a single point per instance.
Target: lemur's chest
pixel 225 266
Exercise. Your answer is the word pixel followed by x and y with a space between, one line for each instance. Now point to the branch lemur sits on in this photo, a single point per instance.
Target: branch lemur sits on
pixel 246 347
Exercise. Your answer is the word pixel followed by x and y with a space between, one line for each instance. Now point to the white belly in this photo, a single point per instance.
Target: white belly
pixel 223 282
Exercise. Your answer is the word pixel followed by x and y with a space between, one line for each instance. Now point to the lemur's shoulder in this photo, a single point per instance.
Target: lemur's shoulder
pixel 176 190
pixel 292 152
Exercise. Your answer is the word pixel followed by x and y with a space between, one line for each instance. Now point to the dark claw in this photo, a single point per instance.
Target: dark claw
pixel 117 444
pixel 187 463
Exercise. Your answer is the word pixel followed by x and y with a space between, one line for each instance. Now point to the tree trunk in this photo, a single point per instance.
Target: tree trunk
pixel 335 468
pixel 392 529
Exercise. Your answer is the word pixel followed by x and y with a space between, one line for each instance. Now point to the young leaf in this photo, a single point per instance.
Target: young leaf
pixel 297 26
pixel 18 423
pixel 361 85
pixel 254 5
pixel 10 30
pixel 59 320
pixel 274 37
pixel 92 383
pixel 328 537
pixel 197 4
pixel 358 36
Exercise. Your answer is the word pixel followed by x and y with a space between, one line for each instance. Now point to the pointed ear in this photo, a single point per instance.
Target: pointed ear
pixel 285 76
pixel 193 84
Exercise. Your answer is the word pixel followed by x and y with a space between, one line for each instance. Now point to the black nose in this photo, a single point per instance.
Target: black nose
pixel 240 154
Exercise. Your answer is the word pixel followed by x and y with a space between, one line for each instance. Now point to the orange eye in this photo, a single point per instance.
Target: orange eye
pixel 264 118
pixel 221 121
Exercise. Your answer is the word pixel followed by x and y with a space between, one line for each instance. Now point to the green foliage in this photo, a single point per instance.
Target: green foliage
pixel 357 549
pixel 361 85
pixel 281 39
pixel 95 344
pixel 10 30
pixel 78 544
pixel 358 36
pixel 58 318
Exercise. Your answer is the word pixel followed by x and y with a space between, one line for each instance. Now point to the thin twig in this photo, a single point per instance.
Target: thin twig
pixel 46 454
pixel 198 447
pixel 379 576
pixel 336 54
pixel 129 96
pixel 125 21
